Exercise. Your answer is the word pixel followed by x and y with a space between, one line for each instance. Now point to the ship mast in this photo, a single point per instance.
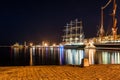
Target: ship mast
pixel 114 28
pixel 66 36
pixel 76 38
pixel 102 22
pixel 81 32
pixel 71 29
pixel 101 28
pixel 73 33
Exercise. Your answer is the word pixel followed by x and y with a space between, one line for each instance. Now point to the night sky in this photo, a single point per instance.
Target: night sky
pixel 44 20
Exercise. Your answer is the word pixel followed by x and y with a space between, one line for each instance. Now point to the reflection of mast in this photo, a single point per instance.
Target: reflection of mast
pixel 114 28
pixel 102 28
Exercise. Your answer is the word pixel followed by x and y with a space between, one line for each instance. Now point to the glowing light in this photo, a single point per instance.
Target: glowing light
pixel 33 47
pixel 54 45
pixel 31 44
pixel 61 46
pixel 45 44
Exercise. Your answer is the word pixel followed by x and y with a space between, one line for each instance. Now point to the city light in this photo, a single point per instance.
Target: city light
pixel 45 44
pixel 54 45
pixel 31 44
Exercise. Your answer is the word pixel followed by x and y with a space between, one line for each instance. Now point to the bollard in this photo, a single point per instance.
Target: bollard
pixel 85 62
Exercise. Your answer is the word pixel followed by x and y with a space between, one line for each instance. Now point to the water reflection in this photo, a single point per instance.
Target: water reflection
pixel 61 56
pixel 31 56
pixel 19 56
pixel 73 56
pixel 108 57
pixel 90 54
pixel 15 56
pixel 16 50
pixel 44 56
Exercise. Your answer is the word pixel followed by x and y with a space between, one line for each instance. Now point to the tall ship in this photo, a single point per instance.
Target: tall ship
pixel 111 41
pixel 73 35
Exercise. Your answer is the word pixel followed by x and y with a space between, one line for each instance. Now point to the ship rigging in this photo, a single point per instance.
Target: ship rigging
pixel 111 41
pixel 74 34
pixel 102 36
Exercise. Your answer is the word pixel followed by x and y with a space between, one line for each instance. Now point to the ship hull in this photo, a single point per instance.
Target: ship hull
pixel 108 46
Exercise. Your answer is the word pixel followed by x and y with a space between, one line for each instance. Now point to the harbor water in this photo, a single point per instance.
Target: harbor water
pixel 55 56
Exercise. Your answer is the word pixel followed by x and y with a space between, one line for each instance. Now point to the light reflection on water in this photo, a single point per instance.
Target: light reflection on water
pixel 108 57
pixel 73 56
pixel 31 56
pixel 57 56
pixel 90 55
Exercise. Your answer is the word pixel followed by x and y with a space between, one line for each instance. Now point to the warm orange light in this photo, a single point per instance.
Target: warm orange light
pixel 46 44
pixel 54 45
pixel 31 44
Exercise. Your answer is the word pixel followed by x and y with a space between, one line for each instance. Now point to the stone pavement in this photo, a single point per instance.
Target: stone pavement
pixel 93 72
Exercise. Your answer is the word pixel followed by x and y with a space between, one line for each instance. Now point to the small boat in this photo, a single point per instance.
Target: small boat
pixel 16 45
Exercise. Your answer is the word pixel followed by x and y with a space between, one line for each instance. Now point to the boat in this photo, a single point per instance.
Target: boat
pixel 17 45
pixel 110 41
pixel 73 35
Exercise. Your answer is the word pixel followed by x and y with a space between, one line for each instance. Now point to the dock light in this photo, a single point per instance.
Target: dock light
pixel 31 44
pixel 54 45
pixel 46 44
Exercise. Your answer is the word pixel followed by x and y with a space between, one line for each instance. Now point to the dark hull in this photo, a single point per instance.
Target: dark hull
pixel 107 46
pixel 74 46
